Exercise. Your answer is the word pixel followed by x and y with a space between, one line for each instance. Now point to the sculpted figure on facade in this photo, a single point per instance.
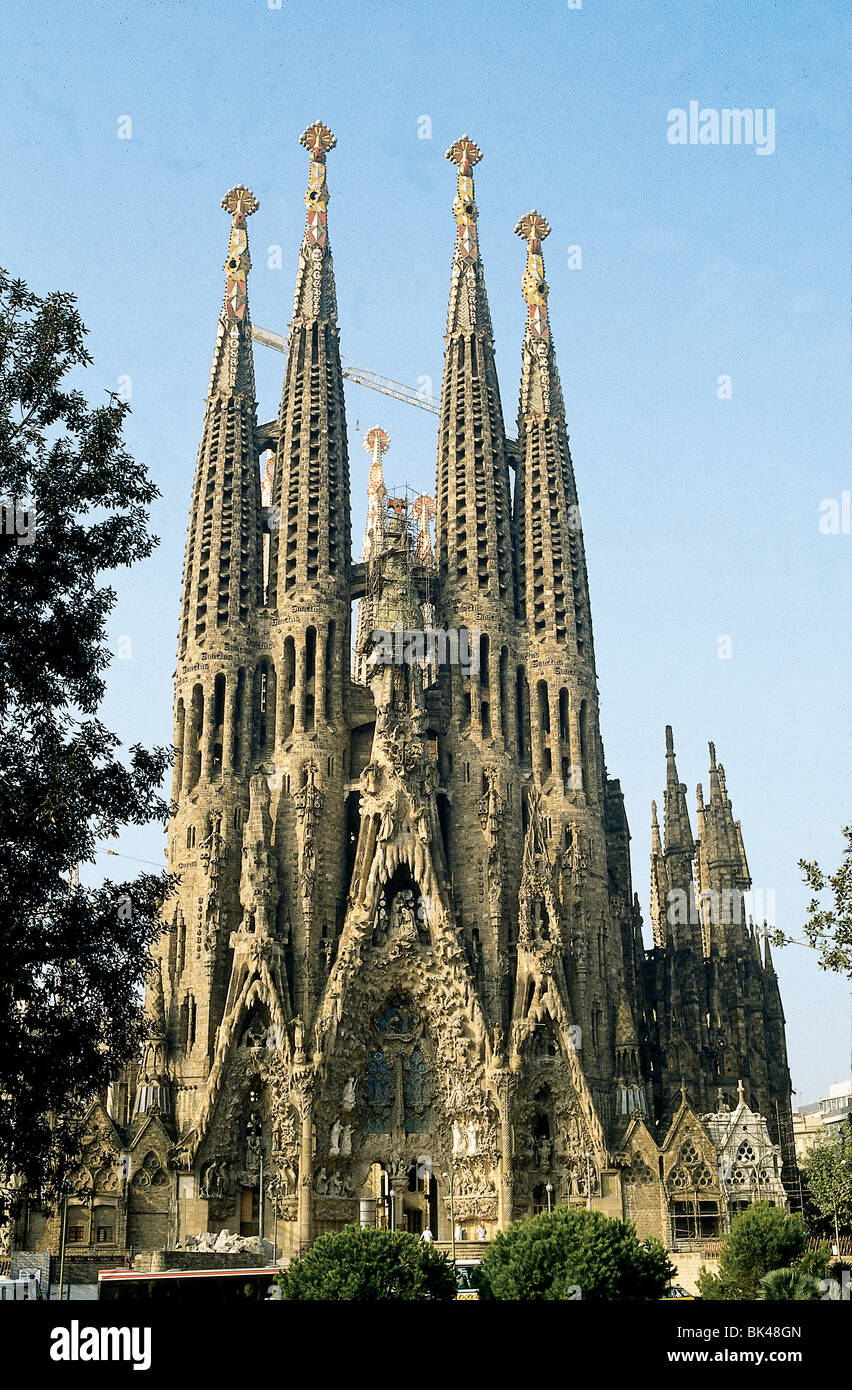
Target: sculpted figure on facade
pixel 309 801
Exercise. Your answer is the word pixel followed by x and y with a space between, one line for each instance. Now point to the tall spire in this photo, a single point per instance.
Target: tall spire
pixel 554 591
pixel 474 527
pixel 311 488
pixel 222 574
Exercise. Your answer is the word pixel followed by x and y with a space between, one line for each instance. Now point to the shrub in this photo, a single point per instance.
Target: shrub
pixel 369 1265
pixel 572 1253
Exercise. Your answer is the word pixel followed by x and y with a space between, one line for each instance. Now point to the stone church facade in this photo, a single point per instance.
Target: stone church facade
pixel 404 978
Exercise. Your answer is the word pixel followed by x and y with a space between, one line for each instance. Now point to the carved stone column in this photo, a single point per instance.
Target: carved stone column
pixel 301 667
pixel 576 743
pixel 320 667
pixel 306 1156
pixel 180 729
pixel 209 734
pixel 246 712
pixel 505 1083
pixel 229 730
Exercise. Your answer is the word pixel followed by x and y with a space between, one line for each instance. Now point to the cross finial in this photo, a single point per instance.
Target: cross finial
pixel 533 228
pixel 465 153
pixel 377 441
pixel 318 139
pixel 240 202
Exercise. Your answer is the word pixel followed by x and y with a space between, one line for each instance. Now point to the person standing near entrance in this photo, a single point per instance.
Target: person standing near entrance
pixel 459 1232
pixel 426 1235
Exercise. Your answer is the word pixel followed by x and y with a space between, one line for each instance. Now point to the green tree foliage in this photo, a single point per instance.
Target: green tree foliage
pixel 368 1265
pixel 762 1238
pixel 828 929
pixel 790 1286
pixel 827 1173
pixel 574 1254
pixel 72 959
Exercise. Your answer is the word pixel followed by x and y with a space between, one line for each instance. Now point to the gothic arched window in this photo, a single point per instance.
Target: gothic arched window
pixel 378 1089
pixel 415 1091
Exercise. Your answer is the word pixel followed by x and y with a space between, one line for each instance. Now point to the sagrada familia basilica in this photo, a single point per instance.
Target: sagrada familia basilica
pixel 404 979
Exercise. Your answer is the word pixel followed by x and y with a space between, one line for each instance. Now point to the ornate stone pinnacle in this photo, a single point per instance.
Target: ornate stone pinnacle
pixel 465 153
pixel 377 441
pixel 318 139
pixel 533 227
pixel 424 509
pixel 240 202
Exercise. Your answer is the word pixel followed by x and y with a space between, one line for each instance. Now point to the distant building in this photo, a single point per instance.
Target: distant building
pixel 813 1122
pixel 837 1105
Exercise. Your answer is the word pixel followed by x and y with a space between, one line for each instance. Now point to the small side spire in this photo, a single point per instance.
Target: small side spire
pixel 377 443
pixel 659 883
pixel 423 508
pixel 724 845
pixel 678 832
pixel 656 842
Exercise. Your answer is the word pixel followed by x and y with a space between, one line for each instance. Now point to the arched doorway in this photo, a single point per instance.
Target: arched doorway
pixel 420 1201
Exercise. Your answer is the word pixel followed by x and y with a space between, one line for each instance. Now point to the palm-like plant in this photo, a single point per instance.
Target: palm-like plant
pixel 790 1286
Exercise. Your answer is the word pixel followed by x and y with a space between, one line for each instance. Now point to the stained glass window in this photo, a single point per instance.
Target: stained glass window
pixel 415 1091
pixel 378 1093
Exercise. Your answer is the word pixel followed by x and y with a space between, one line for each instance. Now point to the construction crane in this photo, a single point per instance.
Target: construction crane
pixel 267 433
pixel 359 375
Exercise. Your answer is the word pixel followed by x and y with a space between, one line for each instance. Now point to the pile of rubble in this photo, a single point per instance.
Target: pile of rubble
pixel 226 1243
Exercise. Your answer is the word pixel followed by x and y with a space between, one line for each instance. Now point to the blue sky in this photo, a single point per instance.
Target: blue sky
pixel 701 515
